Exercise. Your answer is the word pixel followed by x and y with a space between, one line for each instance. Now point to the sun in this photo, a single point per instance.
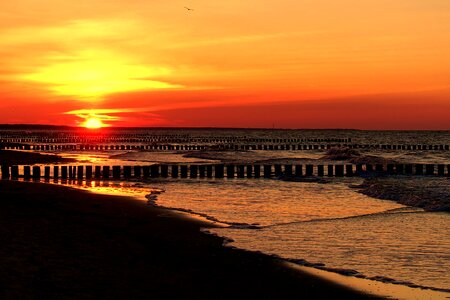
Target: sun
pixel 93 123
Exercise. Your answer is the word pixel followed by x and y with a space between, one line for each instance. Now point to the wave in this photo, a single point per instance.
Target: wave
pixel 355 273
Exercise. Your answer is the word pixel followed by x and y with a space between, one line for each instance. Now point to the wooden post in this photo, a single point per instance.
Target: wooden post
pixel 116 172
pixel 320 170
pixel 36 172
pixel 267 171
pixel 209 171
pixel 219 171
pixel 55 172
pixel 5 171
pixel 184 171
pixel 379 168
pixel 175 171
pixel 230 171
pixel 154 170
pixel 330 170
pixel 80 172
pixel 409 169
pixel 419 169
pixel 106 170
pixel 339 170
pixel 349 170
pixel 201 171
pixel 359 169
pixel 249 171
pixel 164 171
pixel 127 171
pixel 429 169
pixel 88 172
pixel 98 173
pixel 146 171
pixel 298 170
pixel 390 169
pixel 241 171
pixel 137 171
pixel 70 172
pixel 63 172
pixel 257 171
pixel 441 170
pixel 193 170
pixel 278 171
pixel 288 170
pixel 309 170
pixel 47 172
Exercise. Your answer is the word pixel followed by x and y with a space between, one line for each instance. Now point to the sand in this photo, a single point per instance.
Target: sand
pixel 62 243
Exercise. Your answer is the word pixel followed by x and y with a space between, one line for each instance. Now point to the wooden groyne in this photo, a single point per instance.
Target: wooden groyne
pixel 235 147
pixel 229 171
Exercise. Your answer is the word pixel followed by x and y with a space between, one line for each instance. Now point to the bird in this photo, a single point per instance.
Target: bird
pixel 188 8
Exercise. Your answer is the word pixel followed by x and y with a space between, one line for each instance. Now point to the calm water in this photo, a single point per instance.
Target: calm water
pixel 329 223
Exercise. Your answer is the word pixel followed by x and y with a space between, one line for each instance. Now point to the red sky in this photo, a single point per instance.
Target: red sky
pixel 368 64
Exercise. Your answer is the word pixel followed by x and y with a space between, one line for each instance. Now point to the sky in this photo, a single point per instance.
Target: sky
pixel 364 64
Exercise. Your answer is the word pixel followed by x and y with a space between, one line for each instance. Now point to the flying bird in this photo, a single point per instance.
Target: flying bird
pixel 188 8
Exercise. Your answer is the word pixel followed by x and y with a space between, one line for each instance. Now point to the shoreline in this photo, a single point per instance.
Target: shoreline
pixel 76 244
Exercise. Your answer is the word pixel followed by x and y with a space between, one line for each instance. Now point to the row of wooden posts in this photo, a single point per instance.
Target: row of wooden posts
pixel 171 147
pixel 218 171
pixel 208 140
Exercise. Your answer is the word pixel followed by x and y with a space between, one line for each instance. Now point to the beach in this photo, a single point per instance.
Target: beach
pixel 203 237
pixel 63 243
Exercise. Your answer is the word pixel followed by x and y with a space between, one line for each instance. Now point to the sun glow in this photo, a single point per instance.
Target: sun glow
pixel 93 123
pixel 90 75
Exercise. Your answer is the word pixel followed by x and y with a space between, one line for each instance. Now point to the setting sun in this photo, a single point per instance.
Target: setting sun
pixel 93 123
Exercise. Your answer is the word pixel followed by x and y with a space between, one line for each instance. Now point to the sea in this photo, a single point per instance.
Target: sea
pixel 327 224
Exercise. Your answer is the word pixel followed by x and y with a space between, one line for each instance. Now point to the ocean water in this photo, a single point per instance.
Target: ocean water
pixel 325 224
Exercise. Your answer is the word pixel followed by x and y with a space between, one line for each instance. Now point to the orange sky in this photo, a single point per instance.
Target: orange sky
pixel 369 64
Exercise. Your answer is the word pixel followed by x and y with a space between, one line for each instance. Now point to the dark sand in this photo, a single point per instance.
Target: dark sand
pixel 62 243
pixel 11 157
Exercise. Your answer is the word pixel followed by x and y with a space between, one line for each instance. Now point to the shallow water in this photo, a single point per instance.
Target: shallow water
pixel 330 224
pixel 410 247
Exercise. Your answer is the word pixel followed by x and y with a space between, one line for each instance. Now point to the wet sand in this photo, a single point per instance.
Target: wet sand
pixel 63 243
